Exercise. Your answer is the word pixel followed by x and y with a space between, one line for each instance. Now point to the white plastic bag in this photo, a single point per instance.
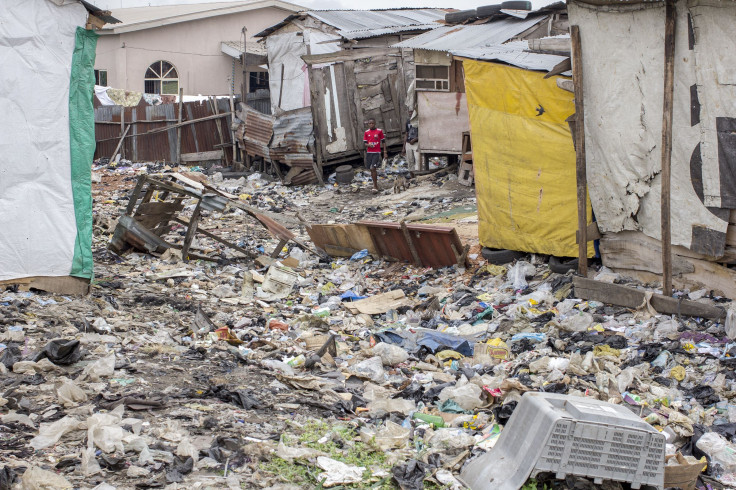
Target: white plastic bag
pixel 371 368
pixel 467 396
pixel 68 393
pixel 104 367
pixel 49 434
pixel 37 479
pixel 390 354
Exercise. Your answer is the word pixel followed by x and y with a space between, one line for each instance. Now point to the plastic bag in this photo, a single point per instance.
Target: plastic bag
pixel 577 322
pixel 390 354
pixel 731 322
pixel 518 273
pixel 389 405
pixel 338 473
pixel 390 436
pixel 90 466
pixel 68 393
pixel 186 449
pixel 103 367
pixel 37 479
pixel 719 450
pixel 467 395
pixel 104 431
pixel 371 368
pixel 49 434
pixel 451 438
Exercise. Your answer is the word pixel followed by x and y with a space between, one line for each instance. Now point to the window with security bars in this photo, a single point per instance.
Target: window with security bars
pixel 433 78
pixel 161 78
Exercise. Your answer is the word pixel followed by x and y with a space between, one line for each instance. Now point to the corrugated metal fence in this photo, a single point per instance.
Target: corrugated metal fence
pixel 142 146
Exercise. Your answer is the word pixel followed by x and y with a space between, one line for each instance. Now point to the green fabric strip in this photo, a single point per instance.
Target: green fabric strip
pixel 82 141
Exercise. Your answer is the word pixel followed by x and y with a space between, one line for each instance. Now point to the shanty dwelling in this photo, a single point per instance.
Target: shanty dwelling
pixel 203 48
pixel 523 153
pixel 439 98
pixel 47 143
pixel 661 158
pixel 340 64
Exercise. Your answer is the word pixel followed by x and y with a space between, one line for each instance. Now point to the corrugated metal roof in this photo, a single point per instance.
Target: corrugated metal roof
pixel 362 24
pixel 447 38
pixel 358 24
pixel 513 54
pixel 138 18
pixel 251 47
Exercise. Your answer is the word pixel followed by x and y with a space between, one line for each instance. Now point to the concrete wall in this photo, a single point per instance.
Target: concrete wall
pixel 192 47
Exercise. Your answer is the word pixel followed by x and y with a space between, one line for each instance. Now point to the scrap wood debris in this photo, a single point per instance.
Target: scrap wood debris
pixel 356 371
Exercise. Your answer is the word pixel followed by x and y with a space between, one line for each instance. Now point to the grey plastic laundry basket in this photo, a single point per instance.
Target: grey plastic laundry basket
pixel 568 435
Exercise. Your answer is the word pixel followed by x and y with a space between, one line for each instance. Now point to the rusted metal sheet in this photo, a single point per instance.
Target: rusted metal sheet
pixel 293 143
pixel 436 246
pixel 256 131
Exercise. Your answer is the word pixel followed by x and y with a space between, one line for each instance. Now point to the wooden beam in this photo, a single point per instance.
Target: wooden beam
pixel 191 230
pixel 593 233
pixel 174 126
pixel 217 238
pixel 52 284
pixel 580 171
pixel 349 55
pixel 216 110
pixel 615 294
pixel 669 77
pixel 178 127
pixel 412 247
pixel 120 143
pixel 134 195
pixel 232 133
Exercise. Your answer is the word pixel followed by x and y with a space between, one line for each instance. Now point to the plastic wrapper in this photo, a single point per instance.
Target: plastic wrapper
pixel 50 434
pixel 370 368
pixel 467 395
pixel 37 479
pixel 390 354
pixel 101 368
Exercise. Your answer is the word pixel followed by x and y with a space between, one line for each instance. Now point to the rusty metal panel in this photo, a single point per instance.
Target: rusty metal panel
pixel 257 131
pixel 434 244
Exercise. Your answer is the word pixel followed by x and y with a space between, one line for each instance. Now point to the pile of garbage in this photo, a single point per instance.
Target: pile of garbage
pixel 357 372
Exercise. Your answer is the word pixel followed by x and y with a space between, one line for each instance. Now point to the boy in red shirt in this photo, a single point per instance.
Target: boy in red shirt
pixel 373 138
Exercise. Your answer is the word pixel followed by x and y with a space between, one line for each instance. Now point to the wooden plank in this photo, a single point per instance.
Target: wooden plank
pixel 348 55
pixel 178 128
pixel 279 247
pixel 281 87
pixel 216 110
pixel 592 234
pixel 191 230
pixel 158 208
pixel 194 130
pixel 352 103
pixel 410 242
pixel 635 250
pixel 202 156
pixel 211 235
pixel 120 143
pixel 134 195
pixel 232 110
pixel 669 88
pixel 628 297
pixel 580 171
pixel 66 285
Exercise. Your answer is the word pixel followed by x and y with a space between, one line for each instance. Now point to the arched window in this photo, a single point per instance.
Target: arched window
pixel 162 78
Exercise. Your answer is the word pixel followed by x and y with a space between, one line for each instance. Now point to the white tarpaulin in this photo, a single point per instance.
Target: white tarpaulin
pixel 623 73
pixel 37 215
pixel 286 66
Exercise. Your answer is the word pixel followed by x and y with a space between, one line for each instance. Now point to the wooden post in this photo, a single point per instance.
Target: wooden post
pixel 213 101
pixel 580 170
pixel 669 77
pixel 232 133
pixel 122 130
pixel 410 243
pixel 178 129
pixel 279 247
pixel 191 231
pixel 281 88
pixel 120 143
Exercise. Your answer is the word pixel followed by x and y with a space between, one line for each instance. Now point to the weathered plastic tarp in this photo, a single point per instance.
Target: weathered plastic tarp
pixel 284 58
pixel 523 158
pixel 45 197
pixel 623 73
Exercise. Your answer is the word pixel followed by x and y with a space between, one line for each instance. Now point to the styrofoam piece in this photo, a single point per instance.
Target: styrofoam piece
pixel 568 435
pixel 279 279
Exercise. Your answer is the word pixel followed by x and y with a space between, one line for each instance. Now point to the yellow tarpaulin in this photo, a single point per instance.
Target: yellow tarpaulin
pixel 523 159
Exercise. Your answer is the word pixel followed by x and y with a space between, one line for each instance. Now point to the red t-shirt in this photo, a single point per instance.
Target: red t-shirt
pixel 373 138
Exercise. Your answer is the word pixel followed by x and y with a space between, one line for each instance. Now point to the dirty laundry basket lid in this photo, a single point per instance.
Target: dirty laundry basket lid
pixel 569 435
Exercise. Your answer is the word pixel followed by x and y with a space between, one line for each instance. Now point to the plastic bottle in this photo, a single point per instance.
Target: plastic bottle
pixel 435 420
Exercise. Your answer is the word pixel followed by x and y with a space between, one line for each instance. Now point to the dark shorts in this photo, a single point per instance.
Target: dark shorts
pixel 372 160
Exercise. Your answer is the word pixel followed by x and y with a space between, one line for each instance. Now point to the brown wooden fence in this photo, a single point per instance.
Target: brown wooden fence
pixel 142 144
